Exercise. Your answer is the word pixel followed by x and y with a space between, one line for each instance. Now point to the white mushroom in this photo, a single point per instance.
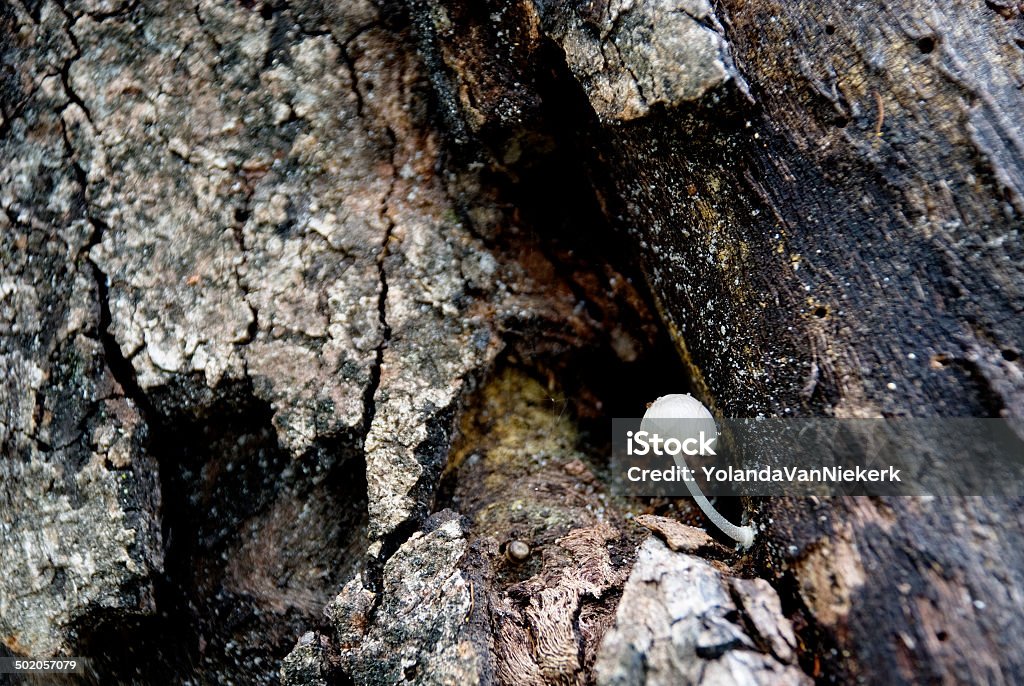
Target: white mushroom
pixel 685 406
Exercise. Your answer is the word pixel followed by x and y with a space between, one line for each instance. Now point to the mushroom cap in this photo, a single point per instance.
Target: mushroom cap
pixel 678 406
pixel 680 416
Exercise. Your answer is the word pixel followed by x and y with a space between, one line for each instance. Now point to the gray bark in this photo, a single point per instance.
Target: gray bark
pixel 241 313
pixel 303 302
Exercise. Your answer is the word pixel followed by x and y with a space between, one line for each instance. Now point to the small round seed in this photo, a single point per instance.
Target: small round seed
pixel 518 551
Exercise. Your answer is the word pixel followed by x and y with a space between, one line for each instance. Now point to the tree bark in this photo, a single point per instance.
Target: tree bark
pixel 302 301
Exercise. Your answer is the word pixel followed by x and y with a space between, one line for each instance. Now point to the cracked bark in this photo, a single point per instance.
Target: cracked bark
pixel 300 297
pixel 271 311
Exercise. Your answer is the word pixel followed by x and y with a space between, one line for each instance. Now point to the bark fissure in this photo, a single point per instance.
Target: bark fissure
pixel 119 366
pixel 369 398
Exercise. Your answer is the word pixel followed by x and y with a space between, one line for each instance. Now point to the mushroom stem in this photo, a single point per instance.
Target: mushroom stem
pixel 744 535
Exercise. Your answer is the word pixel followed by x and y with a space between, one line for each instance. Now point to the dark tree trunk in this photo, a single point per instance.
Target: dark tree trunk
pixel 827 199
